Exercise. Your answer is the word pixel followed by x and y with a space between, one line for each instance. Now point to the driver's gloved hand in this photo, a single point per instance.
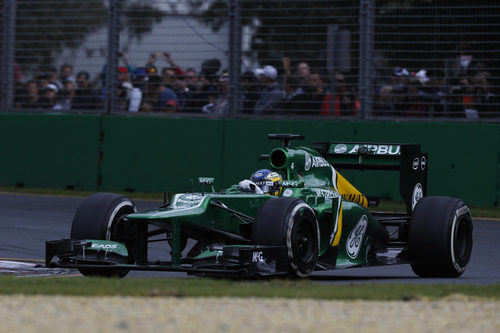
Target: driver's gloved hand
pixel 249 186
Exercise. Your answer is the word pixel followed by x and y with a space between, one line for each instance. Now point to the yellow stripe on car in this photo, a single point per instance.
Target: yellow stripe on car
pixel 349 192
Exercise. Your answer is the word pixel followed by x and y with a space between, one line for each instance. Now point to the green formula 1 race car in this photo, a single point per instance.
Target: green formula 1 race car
pixel 299 216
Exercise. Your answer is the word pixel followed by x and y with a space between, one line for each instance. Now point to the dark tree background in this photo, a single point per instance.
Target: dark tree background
pixel 409 33
pixel 45 28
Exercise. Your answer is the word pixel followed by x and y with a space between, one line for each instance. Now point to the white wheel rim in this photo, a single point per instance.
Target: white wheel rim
pixel 113 214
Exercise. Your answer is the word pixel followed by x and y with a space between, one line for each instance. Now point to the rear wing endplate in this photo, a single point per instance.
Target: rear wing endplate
pixel 406 158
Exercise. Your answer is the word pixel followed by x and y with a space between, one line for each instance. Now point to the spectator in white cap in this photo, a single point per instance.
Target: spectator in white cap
pixel 50 99
pixel 271 91
pixel 399 80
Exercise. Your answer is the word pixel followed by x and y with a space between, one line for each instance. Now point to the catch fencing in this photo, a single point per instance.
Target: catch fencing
pixel 346 59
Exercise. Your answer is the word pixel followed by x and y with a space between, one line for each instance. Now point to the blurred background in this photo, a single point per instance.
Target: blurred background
pixel 354 59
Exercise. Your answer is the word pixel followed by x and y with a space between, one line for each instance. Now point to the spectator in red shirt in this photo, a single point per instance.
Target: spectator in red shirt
pixel 344 101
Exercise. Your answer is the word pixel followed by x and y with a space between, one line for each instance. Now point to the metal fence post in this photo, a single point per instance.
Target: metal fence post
pixel 332 61
pixel 8 49
pixel 365 52
pixel 234 56
pixel 113 53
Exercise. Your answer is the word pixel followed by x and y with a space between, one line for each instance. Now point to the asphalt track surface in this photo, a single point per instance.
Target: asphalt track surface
pixel 27 221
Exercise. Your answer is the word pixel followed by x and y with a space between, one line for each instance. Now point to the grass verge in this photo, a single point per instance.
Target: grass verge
pixel 477 212
pixel 204 287
pixel 75 193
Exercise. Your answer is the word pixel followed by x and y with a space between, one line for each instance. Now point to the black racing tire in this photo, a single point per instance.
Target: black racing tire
pixel 440 237
pixel 292 223
pixel 97 218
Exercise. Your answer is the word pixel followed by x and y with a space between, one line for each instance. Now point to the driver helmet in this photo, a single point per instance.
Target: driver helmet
pixel 268 181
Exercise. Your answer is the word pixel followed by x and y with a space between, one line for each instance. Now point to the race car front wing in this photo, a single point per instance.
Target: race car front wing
pixel 227 261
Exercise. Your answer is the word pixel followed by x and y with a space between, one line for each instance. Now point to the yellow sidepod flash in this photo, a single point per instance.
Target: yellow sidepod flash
pixel 349 192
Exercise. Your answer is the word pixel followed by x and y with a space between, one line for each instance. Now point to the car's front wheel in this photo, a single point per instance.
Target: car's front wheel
pixel 292 223
pixel 97 218
pixel 440 237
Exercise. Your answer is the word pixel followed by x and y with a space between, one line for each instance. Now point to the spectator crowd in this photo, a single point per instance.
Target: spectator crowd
pixel 464 91
pixel 297 90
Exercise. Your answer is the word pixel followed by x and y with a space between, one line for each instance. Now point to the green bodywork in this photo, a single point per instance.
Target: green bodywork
pixel 321 221
pixel 306 175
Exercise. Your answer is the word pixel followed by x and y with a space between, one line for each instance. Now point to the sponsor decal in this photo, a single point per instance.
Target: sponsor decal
pixel 329 194
pixel 263 183
pixel 258 257
pixel 288 193
pixel 187 200
pixel 340 149
pixel 355 238
pixel 423 163
pixel 418 193
pixel 416 163
pixel 315 162
pixel 206 180
pixel 182 202
pixel 392 150
pixel 319 162
pixel 193 197
pixel 307 162
pixel 104 246
pixel 462 211
pixel 290 183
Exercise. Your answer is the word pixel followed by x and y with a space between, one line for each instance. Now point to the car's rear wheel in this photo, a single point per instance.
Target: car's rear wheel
pixel 98 217
pixel 292 223
pixel 440 237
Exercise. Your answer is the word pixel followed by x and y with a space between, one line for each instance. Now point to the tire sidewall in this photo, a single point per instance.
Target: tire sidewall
pixel 302 213
pixel 433 239
pixel 277 223
pixel 95 218
pixel 96 215
pixel 123 206
pixel 461 219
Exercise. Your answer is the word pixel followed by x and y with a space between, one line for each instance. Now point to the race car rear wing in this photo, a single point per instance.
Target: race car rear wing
pixel 405 158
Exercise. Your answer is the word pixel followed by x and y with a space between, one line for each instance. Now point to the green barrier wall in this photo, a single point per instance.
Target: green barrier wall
pixel 159 154
pixel 59 151
pixel 113 153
